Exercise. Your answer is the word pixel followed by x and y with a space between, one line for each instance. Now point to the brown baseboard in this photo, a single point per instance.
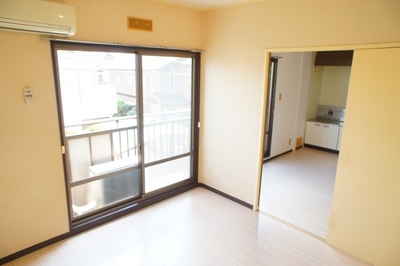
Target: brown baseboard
pixel 241 202
pixel 33 248
pixel 321 149
pixel 81 227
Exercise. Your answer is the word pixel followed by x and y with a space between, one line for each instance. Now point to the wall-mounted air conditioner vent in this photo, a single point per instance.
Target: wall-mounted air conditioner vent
pixel 35 16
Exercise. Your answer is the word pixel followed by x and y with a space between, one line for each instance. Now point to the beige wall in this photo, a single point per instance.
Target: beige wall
pixel 32 193
pixel 314 93
pixel 335 85
pixel 328 86
pixel 236 39
pixel 172 26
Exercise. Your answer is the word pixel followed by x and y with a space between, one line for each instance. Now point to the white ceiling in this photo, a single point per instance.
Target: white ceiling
pixel 205 4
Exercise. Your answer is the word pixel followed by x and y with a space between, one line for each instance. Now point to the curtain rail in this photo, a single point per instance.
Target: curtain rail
pixel 122 44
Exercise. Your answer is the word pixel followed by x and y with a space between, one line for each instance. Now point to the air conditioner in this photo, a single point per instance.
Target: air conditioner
pixel 35 16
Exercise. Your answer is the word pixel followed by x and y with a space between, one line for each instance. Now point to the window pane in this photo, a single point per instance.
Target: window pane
pixel 96 85
pixel 100 193
pixel 79 158
pixel 167 100
pixel 98 95
pixel 165 174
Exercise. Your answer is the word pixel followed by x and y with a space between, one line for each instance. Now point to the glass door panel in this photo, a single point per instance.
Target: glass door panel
pixel 103 192
pixel 98 98
pixel 128 118
pixel 167 114
pixel 165 174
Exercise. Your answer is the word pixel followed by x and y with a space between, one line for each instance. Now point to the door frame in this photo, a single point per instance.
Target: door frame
pixel 270 107
pixel 267 62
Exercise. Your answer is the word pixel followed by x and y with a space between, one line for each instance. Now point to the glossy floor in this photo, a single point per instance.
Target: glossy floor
pixel 197 227
pixel 297 187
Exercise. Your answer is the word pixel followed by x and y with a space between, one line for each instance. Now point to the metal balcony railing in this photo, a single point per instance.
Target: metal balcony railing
pixel 114 142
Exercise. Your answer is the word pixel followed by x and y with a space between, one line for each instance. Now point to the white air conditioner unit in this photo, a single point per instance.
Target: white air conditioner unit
pixel 35 16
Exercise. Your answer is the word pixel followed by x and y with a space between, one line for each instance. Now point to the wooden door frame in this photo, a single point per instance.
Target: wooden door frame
pixel 267 62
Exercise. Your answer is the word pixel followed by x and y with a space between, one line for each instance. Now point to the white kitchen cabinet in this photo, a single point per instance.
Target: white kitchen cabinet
pixel 322 134
pixel 329 136
pixel 313 133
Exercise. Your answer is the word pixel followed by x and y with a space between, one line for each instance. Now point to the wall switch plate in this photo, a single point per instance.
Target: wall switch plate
pixel 28 94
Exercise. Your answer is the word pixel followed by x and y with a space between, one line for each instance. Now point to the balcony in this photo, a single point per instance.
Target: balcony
pixel 104 155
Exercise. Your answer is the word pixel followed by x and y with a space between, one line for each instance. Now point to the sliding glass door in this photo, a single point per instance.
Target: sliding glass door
pixel 167 109
pixel 129 123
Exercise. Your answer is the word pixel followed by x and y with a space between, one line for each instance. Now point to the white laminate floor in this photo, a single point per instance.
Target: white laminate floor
pixel 197 227
pixel 297 188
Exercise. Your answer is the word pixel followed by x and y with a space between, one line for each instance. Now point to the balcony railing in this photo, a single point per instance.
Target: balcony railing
pixel 115 141
pixel 103 158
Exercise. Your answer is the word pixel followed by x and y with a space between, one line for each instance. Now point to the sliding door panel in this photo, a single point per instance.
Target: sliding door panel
pixel 98 95
pixel 165 174
pixel 105 192
pixel 167 133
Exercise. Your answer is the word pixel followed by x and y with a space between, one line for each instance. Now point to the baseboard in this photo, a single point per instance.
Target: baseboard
pixel 321 149
pixel 276 156
pixel 241 202
pixel 100 220
pixel 33 248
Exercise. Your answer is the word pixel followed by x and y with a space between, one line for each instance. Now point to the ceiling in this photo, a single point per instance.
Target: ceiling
pixel 205 4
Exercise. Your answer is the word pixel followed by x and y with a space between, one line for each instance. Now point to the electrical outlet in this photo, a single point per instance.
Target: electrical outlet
pixel 290 141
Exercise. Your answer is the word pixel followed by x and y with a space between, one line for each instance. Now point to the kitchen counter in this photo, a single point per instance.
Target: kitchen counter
pixel 326 121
